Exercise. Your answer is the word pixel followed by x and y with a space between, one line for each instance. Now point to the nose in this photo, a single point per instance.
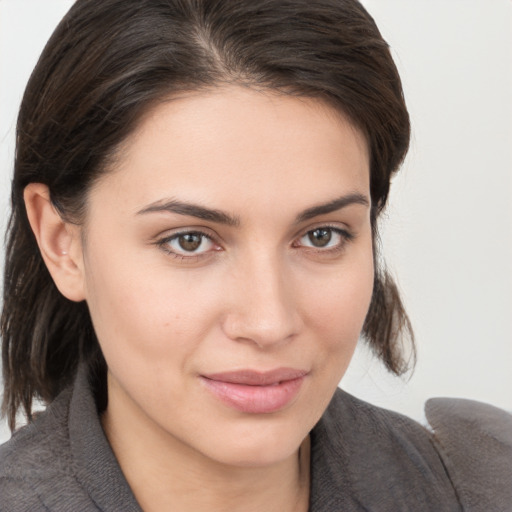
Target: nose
pixel 263 308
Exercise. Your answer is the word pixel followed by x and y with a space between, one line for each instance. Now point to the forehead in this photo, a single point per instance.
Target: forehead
pixel 243 147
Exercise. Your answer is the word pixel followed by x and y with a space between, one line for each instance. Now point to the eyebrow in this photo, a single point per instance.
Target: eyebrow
pixel 192 210
pixel 332 206
pixel 220 217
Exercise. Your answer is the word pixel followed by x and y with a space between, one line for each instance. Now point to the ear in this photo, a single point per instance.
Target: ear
pixel 59 242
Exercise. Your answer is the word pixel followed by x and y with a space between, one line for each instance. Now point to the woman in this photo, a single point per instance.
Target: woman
pixel 191 259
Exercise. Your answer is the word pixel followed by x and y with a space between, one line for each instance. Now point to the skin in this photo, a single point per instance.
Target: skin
pixel 257 295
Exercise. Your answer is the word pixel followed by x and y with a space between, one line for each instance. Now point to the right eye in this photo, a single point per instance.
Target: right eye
pixel 188 243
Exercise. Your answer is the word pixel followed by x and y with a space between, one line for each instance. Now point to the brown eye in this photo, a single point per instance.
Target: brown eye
pixel 320 237
pixel 190 241
pixel 324 238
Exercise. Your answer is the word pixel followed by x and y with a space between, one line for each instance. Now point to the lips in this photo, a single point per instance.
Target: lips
pixel 256 392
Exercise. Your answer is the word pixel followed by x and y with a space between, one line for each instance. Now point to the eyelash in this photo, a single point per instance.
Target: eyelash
pixel 164 243
pixel 345 237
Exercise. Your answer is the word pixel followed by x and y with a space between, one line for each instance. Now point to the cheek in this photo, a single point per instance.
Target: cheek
pixel 338 306
pixel 140 310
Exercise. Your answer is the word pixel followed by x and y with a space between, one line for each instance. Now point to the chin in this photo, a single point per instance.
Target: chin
pixel 261 457
pixel 259 445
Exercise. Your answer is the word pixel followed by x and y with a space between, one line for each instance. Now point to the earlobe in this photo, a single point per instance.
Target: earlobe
pixel 59 242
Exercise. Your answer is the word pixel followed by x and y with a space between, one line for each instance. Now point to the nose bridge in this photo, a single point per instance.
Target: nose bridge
pixel 264 310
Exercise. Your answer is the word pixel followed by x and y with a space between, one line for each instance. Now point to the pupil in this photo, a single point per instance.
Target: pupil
pixel 190 241
pixel 320 237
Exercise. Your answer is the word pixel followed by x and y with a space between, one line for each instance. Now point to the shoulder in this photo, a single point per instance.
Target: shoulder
pixel 354 418
pixel 36 465
pixel 378 458
pixel 461 460
pixel 33 449
pixel 475 442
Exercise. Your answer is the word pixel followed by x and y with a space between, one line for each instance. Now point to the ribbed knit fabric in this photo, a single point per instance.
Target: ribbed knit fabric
pixel 363 459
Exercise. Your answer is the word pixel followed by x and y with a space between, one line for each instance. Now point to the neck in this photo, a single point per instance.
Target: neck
pixel 166 475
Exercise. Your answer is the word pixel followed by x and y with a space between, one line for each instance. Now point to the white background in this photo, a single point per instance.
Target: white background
pixel 448 231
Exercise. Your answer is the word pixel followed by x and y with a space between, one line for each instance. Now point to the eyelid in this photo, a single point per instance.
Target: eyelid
pixel 346 236
pixel 166 237
pixel 335 226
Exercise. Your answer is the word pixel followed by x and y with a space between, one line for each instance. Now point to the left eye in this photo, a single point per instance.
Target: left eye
pixel 189 243
pixel 323 238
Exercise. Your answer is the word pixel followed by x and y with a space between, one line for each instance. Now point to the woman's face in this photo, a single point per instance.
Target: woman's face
pixel 228 271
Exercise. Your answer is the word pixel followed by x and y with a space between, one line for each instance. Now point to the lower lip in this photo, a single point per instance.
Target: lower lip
pixel 255 399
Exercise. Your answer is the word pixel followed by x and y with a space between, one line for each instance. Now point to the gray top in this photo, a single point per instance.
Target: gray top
pixel 363 459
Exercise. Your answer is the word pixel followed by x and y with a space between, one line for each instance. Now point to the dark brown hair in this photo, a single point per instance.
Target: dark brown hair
pixel 105 65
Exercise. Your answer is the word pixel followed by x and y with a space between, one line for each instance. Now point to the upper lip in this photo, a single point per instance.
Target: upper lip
pixel 257 378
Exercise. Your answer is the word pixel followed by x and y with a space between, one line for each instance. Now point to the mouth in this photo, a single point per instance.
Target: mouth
pixel 256 392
